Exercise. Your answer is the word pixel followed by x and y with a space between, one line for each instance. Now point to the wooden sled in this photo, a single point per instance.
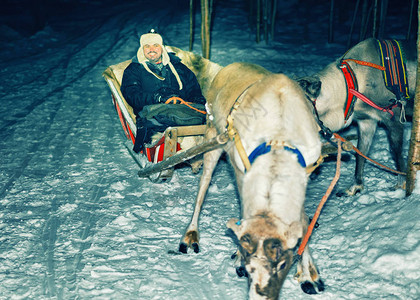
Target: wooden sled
pixel 173 141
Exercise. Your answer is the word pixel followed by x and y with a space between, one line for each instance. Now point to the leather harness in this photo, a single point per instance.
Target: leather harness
pixel 394 72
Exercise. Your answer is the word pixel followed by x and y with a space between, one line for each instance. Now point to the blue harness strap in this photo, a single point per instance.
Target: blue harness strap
pixel 296 151
pixel 264 148
pixel 260 150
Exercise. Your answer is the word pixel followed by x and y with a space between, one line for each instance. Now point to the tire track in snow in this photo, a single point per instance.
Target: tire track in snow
pixel 8 128
pixel 85 42
pixel 89 222
pixel 49 235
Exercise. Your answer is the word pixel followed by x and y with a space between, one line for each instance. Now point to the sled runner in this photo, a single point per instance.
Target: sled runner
pixel 172 141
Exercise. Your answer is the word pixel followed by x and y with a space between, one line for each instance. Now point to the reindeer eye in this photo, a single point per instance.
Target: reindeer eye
pixel 246 238
pixel 282 265
pixel 247 244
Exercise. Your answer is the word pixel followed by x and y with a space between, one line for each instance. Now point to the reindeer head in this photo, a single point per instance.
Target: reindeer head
pixel 266 247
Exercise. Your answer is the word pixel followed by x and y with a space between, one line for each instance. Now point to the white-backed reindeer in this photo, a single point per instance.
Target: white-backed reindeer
pixel 280 137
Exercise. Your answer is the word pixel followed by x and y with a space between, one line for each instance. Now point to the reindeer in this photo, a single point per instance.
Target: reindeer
pixel 204 69
pixel 273 137
pixel 337 107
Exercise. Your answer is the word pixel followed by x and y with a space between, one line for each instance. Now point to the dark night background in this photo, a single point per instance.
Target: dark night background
pixel 28 17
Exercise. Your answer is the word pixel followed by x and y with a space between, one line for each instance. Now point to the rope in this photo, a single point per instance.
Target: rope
pixel 174 100
pixel 331 187
pixel 365 63
pixel 323 200
pixel 337 136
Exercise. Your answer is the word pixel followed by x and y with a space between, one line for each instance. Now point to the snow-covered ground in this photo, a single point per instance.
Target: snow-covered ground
pixel 77 223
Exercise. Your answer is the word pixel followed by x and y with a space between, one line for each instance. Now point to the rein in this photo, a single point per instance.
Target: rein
pixel 327 134
pixel 323 201
pixel 368 158
pixel 313 223
pixel 174 100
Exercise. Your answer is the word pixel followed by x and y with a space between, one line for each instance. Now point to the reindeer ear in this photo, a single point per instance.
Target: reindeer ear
pixel 235 225
pixel 293 234
pixel 311 86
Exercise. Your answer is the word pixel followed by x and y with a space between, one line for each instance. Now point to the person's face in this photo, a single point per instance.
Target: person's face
pixel 153 53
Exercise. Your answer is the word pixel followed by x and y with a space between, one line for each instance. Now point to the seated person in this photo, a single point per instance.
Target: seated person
pixel 153 77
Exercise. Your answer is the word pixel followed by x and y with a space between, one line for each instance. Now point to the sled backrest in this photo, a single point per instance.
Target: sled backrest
pixel 113 76
pixel 119 69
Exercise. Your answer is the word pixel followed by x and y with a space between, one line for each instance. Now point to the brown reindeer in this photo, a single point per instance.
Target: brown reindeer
pixel 271 117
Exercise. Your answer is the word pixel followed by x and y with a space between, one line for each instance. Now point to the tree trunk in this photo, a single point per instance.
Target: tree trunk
pixel 191 24
pixel 251 14
pixel 414 151
pixel 205 26
pixel 364 21
pixel 382 18
pixel 273 18
pixel 375 15
pixel 265 19
pixel 410 20
pixel 258 20
pixel 352 23
pixel 331 23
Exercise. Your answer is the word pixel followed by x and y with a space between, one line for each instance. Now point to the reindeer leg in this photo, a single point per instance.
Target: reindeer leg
pixel 191 236
pixel 240 268
pixel 395 135
pixel 367 129
pixel 307 274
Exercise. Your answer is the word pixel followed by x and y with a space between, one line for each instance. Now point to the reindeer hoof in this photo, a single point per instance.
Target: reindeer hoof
pixel 321 286
pixel 341 194
pixel 351 191
pixel 313 288
pixel 195 247
pixel 183 248
pixel 241 271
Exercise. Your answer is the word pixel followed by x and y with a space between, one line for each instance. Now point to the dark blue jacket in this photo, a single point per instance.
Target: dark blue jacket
pixel 141 88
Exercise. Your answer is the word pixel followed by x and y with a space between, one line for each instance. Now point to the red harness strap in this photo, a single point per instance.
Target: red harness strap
pixel 371 103
pixel 353 93
pixel 351 83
